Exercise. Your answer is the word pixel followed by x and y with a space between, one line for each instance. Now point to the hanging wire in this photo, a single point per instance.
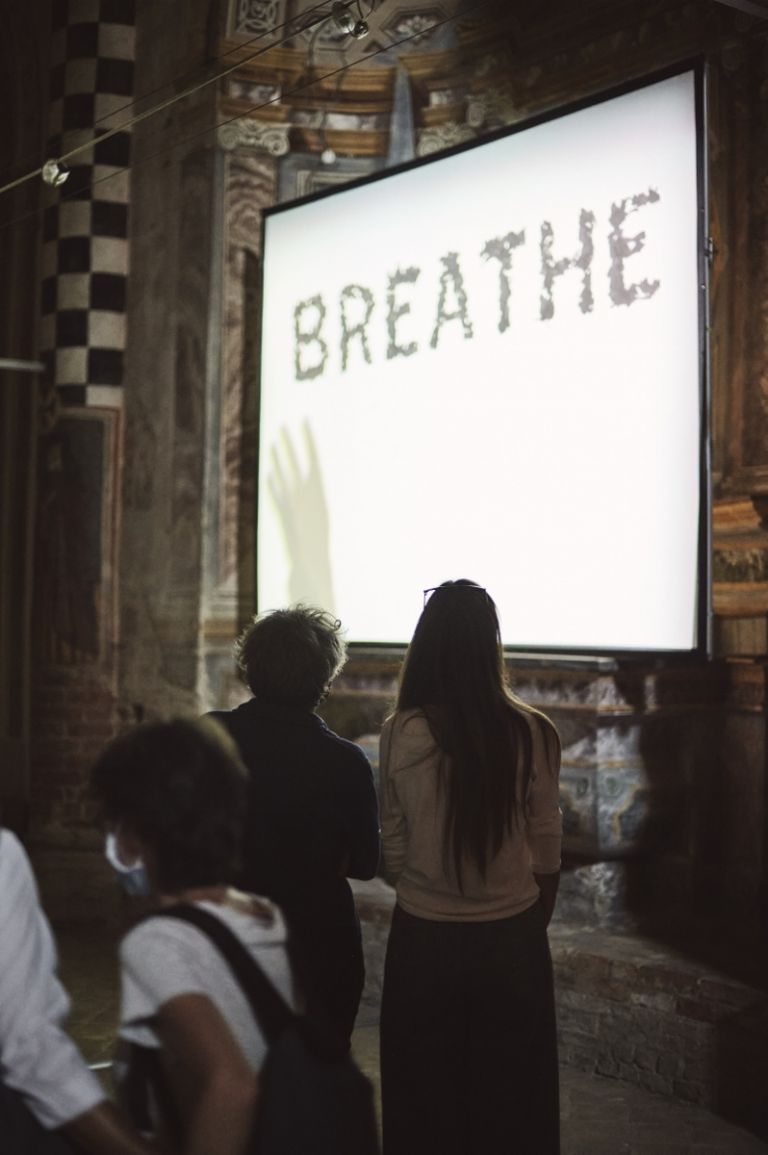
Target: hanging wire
pixel 187 92
pixel 192 72
pixel 311 66
pixel 255 107
pixel 328 153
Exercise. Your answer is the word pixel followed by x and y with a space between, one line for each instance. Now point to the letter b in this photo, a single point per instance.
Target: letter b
pixel 305 338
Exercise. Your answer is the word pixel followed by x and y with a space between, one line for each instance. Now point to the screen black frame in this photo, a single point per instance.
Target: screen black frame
pixel 703 648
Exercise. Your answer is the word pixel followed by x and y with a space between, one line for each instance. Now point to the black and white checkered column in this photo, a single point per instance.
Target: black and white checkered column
pixel 85 241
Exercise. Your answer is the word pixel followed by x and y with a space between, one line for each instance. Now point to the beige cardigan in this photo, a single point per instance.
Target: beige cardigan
pixel 413 819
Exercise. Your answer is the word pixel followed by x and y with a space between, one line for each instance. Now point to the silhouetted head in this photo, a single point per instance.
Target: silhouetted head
pixel 455 654
pixel 291 657
pixel 175 792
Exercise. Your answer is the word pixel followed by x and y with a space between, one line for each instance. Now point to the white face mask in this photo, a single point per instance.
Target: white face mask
pixel 133 878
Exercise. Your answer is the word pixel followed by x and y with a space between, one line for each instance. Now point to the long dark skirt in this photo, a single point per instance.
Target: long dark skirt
pixel 468 1042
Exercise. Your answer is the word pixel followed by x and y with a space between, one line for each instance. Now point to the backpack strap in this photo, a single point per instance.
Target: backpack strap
pixel 269 1008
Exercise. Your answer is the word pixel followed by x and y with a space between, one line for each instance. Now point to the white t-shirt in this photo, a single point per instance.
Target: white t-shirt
pixel 163 958
pixel 37 1058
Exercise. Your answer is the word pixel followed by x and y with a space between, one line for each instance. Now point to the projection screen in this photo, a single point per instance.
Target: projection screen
pixel 490 365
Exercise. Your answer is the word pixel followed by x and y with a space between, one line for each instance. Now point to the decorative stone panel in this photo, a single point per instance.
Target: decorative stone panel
pixel 255 134
pixel 78 487
pixel 255 17
pixel 417 24
pixel 443 136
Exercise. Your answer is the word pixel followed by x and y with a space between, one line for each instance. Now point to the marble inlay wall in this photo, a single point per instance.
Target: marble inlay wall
pixel 251 17
pixel 85 250
pixel 249 188
pixel 249 180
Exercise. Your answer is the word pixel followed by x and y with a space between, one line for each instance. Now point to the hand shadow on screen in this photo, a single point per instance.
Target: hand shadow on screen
pixel 302 511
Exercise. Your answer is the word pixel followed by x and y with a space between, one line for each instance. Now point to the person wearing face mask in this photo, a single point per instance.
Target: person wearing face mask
pixel 172 796
pixel 50 1102
pixel 134 878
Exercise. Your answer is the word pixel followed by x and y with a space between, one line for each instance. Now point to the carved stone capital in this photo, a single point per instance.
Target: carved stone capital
pixel 255 17
pixel 442 136
pixel 254 134
pixel 492 109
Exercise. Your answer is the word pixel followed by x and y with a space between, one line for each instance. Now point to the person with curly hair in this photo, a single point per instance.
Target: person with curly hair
pixel 313 819
pixel 172 796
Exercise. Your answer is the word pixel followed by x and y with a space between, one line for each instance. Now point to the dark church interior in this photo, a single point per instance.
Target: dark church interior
pixel 130 303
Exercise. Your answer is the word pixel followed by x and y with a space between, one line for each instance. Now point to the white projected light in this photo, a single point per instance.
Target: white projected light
pixel 488 366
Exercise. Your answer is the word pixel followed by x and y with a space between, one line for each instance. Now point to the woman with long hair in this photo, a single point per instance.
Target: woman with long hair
pixel 471 832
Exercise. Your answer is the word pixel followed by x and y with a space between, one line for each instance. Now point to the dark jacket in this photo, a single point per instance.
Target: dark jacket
pixel 313 817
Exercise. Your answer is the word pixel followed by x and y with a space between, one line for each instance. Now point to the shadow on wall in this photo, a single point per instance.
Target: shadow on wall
pixel 298 498
pixel 693 880
pixel 662 794
pixel 675 838
pixel 661 829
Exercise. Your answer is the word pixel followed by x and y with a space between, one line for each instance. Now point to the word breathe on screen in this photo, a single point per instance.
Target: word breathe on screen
pixel 357 304
pixel 487 366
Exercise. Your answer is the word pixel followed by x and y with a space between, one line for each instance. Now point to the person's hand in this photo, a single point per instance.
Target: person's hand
pixel 299 499
pixel 548 884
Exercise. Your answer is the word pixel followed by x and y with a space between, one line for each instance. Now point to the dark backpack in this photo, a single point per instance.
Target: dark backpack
pixel 313 1099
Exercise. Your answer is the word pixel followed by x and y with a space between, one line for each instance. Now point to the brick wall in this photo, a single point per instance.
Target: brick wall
pixel 74 717
pixel 637 1011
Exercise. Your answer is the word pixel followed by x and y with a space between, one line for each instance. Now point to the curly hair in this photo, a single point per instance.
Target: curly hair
pixel 290 657
pixel 180 787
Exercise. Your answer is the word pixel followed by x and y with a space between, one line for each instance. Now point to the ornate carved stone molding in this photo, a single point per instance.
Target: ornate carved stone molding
pixel 255 134
pixel 312 180
pixel 440 136
pixel 492 108
pixel 247 17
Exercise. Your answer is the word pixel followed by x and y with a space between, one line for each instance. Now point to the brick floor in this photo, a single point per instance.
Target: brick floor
pixel 599 1116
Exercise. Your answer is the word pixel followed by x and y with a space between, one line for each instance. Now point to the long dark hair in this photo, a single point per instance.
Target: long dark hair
pixel 454 673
